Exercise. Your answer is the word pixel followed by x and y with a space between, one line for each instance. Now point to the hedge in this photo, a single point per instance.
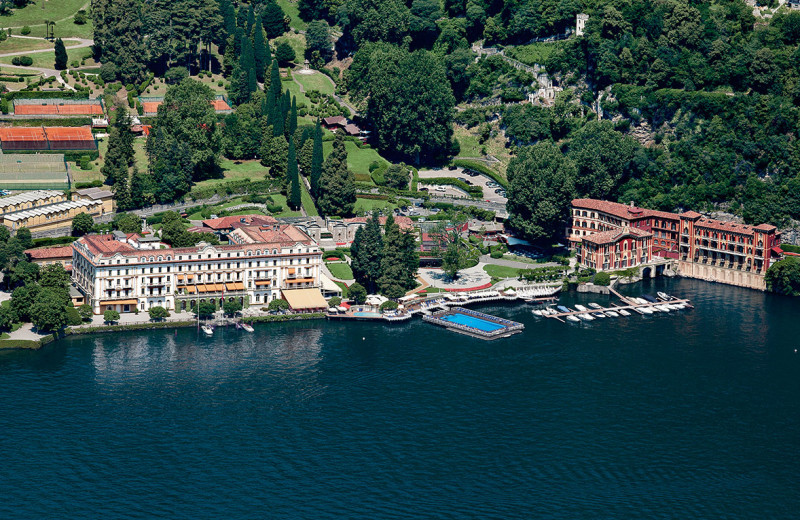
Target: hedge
pixel 61 94
pixel 790 248
pixel 372 196
pixel 474 191
pixel 378 174
pixel 84 185
pixel 53 241
pixel 69 121
pixel 132 326
pixel 287 317
pixel 478 167
pixel 69 155
pixel 20 344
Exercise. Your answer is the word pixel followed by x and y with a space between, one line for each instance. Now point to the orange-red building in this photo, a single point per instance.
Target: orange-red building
pixel 605 235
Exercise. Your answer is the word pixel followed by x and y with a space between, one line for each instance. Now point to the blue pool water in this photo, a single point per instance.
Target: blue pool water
pixel 472 321
pixel 367 314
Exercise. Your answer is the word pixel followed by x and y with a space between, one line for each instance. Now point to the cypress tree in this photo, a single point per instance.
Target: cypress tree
pixel 260 53
pixel 367 253
pixel 248 64
pixel 393 272
pixel 293 196
pixel 316 160
pixel 122 192
pixel 293 117
pixel 61 55
pixel 336 186
pixel 228 22
pixel 238 35
pixel 241 17
pixel 251 19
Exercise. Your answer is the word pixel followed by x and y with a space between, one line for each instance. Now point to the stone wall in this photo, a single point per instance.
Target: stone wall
pixel 722 275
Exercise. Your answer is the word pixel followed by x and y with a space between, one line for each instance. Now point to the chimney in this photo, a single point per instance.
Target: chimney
pixel 631 203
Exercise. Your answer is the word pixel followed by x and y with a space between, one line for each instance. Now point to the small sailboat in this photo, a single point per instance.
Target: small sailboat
pixel 207 330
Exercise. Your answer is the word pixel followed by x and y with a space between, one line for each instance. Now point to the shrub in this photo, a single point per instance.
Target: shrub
pixel 334 302
pixel 389 306
pixel 73 316
pixel 602 279
pixel 176 75
pixel 25 30
pixel 25 61
pixel 278 305
pixel 108 72
pixel 80 17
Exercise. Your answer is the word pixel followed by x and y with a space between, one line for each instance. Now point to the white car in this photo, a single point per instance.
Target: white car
pixel 440 188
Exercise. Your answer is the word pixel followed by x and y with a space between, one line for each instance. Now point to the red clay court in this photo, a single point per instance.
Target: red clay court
pixel 47 138
pixel 57 107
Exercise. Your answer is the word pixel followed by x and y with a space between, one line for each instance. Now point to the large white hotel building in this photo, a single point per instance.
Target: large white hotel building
pixel 124 272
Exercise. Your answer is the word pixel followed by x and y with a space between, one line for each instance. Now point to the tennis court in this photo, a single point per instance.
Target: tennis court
pixel 57 107
pixel 33 172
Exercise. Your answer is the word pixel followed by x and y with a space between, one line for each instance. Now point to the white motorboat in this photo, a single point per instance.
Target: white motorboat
pixel 645 310
pixel 595 306
pixel 248 328
pixel 573 318
pixel 586 317
pixel 613 314
pixel 538 312
pixel 207 330
pixel 599 315
pixel 662 308
pixel 664 296
pixel 581 308
pixel 624 312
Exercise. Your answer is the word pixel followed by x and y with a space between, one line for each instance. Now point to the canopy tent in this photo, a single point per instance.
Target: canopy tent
pixel 302 299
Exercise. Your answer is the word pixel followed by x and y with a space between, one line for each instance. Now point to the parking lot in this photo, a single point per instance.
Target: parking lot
pixel 476 179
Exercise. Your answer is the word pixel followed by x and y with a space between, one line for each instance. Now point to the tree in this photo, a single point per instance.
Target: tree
pixel 367 252
pixel 231 307
pixel 7 317
pixel 284 53
pixel 275 155
pixel 452 259
pixel 157 313
pixel 24 237
pixel 409 100
pixel 317 159
pixel 273 19
pixel 127 223
pixel 82 223
pixel 23 273
pixel 205 309
pixel 293 197
pixel 260 53
pixel 61 55
pixel 186 118
pixel 542 187
pixel 110 316
pixel 394 276
pixel 318 40
pixel 22 300
pixel 47 315
pixel 357 293
pixel 86 312
pixel 55 278
pixel 334 302
pixel 278 304
pixel 783 277
pixel 397 176
pixel 602 156
pixel 336 190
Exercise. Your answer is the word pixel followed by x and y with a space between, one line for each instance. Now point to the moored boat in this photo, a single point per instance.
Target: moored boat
pixel 573 318
pixel 613 314
pixel 207 330
pixel 624 312
pixel 247 327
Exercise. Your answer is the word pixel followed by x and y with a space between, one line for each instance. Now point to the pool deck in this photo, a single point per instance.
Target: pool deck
pixel 507 327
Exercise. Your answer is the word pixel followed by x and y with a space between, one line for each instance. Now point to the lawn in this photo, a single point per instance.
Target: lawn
pixel 47 59
pixel 340 270
pixel 499 271
pixel 469 145
pixel 281 199
pixel 344 289
pixel 358 159
pixel 317 81
pixel 307 201
pixel 297 42
pixel 23 45
pixel 515 258
pixel 294 90
pixel 236 170
pixel 33 13
pixel 290 9
pixel 368 205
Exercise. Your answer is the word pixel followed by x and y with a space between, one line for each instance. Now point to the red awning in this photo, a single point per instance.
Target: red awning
pixel 777 250
pixel 345 305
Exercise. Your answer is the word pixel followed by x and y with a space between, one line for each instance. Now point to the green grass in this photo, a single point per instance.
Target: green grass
pixel 47 59
pixel 294 90
pixel 307 201
pixel 298 43
pixel 515 258
pixel 290 9
pixel 281 199
pixel 237 170
pixel 23 45
pixel 470 147
pixel 367 205
pixel 344 289
pixel 316 81
pixel 534 53
pixel 340 270
pixel 33 13
pixel 358 159
pixel 499 271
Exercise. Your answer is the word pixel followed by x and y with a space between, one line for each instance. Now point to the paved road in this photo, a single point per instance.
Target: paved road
pixel 478 180
pixel 82 43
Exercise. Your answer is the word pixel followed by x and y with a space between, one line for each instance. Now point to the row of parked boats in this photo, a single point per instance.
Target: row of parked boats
pixel 645 305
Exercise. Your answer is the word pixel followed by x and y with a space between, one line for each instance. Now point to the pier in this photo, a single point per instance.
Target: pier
pixel 630 305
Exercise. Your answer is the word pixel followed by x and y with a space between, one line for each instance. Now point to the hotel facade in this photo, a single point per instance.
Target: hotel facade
pixel 127 272
pixel 605 235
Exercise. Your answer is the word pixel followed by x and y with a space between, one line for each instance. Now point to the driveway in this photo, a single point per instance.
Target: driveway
pixel 478 180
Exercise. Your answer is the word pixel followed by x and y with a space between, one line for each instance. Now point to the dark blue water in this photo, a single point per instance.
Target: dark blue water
pixel 690 415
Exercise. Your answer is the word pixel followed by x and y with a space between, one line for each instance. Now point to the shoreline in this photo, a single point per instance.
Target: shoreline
pixel 29 344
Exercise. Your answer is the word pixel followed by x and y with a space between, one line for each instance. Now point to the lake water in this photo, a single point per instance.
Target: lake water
pixel 695 414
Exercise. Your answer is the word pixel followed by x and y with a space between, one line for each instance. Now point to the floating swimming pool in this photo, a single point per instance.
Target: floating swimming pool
pixel 472 321
pixel 367 314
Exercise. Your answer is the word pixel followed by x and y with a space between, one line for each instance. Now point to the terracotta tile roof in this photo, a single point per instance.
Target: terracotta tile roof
pixel 49 252
pixel 691 214
pixel 614 235
pixel 403 222
pixel 765 227
pixel 733 227
pixel 285 235
pixel 238 221
pixel 335 120
pixel 621 210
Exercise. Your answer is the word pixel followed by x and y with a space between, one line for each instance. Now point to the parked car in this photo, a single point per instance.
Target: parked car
pixel 440 188
pixel 492 184
pixel 452 167
pixel 421 219
pixel 499 190
pixel 418 204
pixel 435 210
